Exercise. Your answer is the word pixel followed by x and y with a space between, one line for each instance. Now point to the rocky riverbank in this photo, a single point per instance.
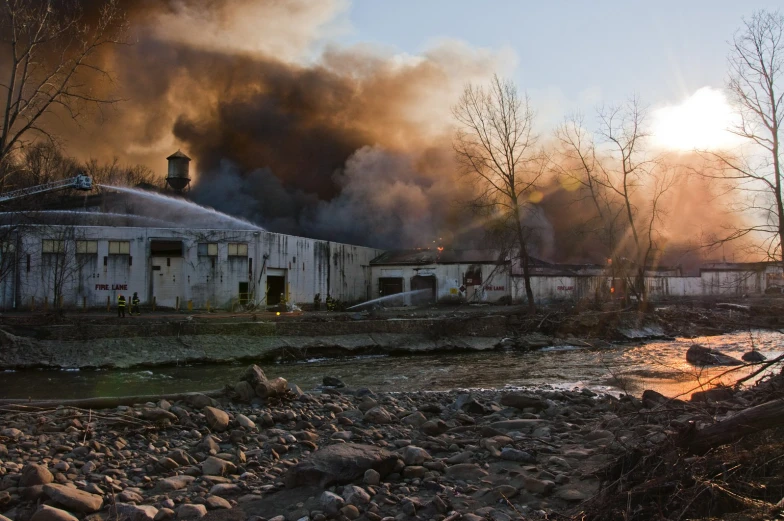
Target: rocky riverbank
pixel 267 451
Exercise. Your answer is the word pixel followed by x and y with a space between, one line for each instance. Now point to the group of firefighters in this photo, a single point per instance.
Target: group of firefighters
pixel 332 304
pixel 134 305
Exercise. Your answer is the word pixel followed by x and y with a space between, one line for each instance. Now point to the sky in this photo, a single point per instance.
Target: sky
pixel 571 56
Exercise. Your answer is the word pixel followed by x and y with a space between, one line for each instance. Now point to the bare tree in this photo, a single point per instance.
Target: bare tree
pixel 49 66
pixel 754 171
pixel 640 184
pixel 496 147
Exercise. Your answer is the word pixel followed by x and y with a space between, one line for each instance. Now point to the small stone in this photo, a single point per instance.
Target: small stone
pixel 74 499
pixel 372 477
pixel 245 422
pixel 415 455
pixel 511 454
pixel 378 415
pixel 465 472
pixel 213 466
pixel 355 495
pixel 331 502
pixel 217 503
pixel 350 511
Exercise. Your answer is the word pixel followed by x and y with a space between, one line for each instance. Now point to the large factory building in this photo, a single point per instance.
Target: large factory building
pixel 92 248
pixel 91 266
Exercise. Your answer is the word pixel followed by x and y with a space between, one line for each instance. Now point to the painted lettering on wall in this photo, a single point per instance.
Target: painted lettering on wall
pixel 494 288
pixel 565 288
pixel 111 287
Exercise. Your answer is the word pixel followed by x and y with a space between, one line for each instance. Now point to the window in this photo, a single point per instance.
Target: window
pixel 238 249
pixel 208 249
pixel 119 247
pixel 52 246
pixel 87 247
pixel 7 247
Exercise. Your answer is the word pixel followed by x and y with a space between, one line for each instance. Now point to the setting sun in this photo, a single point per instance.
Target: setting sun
pixel 699 122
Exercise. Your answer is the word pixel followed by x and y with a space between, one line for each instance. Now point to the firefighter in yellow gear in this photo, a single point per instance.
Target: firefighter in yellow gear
pixel 121 306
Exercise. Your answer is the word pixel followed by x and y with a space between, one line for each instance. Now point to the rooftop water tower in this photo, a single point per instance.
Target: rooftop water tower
pixel 178 178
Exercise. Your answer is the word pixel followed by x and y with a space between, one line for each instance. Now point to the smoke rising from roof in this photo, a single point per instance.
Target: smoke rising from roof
pixel 301 136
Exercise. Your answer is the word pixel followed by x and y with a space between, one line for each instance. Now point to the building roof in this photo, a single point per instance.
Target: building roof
pixel 178 155
pixel 737 266
pixel 435 256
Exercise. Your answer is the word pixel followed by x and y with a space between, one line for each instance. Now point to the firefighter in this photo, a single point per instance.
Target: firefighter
pixel 135 304
pixel 121 306
pixel 330 303
pixel 317 302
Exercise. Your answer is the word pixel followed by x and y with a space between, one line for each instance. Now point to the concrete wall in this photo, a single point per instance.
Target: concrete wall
pixel 309 267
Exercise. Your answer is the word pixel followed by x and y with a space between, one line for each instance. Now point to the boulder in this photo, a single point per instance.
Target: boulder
pixel 73 499
pixel 331 381
pixel 753 356
pixel 254 376
pixel 340 463
pixel 34 474
pixel 523 401
pixel 217 419
pixel 245 391
pixel 704 356
pixel 716 394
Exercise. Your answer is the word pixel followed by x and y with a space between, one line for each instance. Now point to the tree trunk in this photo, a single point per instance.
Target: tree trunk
pixel 524 258
pixel 755 419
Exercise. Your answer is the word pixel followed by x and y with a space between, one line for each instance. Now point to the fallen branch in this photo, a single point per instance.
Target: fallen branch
pixel 756 419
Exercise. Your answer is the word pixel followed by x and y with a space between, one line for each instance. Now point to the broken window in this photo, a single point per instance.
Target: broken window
pixel 208 249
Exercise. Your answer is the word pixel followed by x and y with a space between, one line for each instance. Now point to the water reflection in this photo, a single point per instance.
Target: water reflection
pixel 655 365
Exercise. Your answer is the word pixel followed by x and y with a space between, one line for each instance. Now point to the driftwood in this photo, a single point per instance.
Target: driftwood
pixel 759 418
pixel 99 403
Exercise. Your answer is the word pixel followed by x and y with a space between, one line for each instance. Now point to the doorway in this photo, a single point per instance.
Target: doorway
pixel 276 288
pixel 390 286
pixel 425 285
pixel 244 294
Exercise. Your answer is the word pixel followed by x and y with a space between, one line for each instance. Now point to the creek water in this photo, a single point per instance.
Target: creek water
pixel 658 365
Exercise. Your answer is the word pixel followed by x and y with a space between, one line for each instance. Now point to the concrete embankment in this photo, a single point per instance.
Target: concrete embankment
pixel 124 346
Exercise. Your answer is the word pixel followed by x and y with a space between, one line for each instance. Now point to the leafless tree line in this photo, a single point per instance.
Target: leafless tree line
pixel 609 166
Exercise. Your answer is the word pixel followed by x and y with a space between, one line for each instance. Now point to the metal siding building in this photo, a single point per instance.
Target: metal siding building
pixel 91 265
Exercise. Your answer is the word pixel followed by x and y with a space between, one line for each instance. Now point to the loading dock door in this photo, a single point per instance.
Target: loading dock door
pixel 276 286
pixel 426 285
pixel 167 272
pixel 390 286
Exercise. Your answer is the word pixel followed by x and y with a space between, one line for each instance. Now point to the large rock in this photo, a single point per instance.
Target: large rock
pixel 753 356
pixel 272 388
pixel 48 513
pixel 704 356
pixel 340 463
pixel 217 420
pixel 73 499
pixel 254 376
pixel 245 391
pixel 34 474
pixel 523 401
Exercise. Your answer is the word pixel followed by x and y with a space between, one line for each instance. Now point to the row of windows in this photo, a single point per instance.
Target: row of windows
pixel 205 249
pixel 235 249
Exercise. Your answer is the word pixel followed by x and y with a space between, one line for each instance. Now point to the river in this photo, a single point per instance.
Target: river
pixel 658 365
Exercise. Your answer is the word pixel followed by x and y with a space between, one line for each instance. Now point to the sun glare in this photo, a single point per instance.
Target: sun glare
pixel 699 122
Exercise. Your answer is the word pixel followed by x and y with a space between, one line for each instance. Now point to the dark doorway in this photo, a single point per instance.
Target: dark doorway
pixel 276 287
pixel 244 297
pixel 390 286
pixel 427 283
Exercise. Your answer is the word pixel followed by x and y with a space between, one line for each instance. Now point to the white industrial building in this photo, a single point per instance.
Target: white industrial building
pixel 91 266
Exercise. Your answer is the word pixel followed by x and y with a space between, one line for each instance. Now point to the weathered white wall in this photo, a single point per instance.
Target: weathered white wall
pixel 309 266
pixel 449 280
